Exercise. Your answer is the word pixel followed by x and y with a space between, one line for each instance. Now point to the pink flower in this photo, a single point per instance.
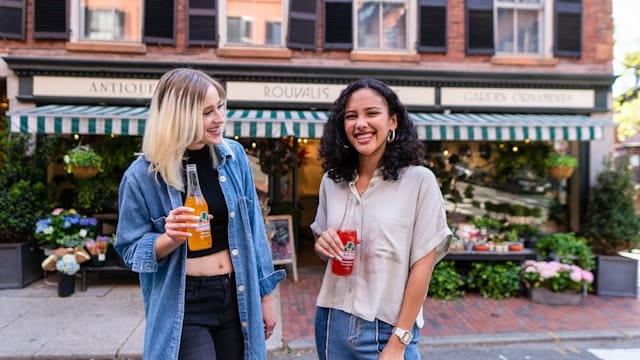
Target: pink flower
pixel 57 211
pixel 576 276
pixel 587 276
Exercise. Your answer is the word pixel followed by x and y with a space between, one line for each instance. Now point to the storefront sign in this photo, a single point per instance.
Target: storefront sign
pixel 93 87
pixel 314 93
pixel 514 98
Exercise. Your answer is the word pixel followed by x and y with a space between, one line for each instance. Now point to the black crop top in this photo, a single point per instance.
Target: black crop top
pixel 208 179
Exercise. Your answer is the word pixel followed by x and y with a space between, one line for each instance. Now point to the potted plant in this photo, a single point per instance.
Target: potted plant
pixel 552 282
pixel 561 166
pixel 83 162
pixel 23 200
pixel 566 248
pixel 612 226
pixel 64 228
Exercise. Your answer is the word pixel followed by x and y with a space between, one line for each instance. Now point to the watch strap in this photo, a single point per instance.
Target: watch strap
pixel 404 335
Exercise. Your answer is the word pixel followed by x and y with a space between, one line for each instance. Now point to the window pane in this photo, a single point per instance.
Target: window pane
pixel 505 31
pixel 382 25
pixel 110 20
pixel 254 22
pixel 369 26
pixel 528 32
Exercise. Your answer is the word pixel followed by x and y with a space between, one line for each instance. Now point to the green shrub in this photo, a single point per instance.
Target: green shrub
pixel 611 221
pixel 566 248
pixel 495 280
pixel 446 283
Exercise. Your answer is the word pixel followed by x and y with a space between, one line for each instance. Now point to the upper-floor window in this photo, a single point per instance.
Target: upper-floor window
pixel 252 22
pixel 386 25
pixel 108 20
pixel 524 27
pixel 519 26
pixel 382 24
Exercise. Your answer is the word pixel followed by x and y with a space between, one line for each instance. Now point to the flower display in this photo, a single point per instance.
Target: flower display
pixel 64 228
pixel 67 264
pixel 555 276
pixel 99 245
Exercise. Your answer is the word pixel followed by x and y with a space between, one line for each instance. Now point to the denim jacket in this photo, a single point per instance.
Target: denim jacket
pixel 144 202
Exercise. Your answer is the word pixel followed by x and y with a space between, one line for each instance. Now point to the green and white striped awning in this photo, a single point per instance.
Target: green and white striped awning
pixel 508 127
pixel 126 120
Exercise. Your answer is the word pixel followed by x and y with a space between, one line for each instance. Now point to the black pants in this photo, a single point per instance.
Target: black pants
pixel 211 326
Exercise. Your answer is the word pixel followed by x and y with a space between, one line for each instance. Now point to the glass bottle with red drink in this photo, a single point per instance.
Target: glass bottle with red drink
pixel 200 236
pixel 349 237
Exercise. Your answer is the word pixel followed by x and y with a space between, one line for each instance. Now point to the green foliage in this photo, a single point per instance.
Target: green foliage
pixel 23 173
pixel 82 155
pixel 486 223
pixel 566 248
pixel 468 191
pixel 557 159
pixel 523 230
pixel 21 204
pixel 446 283
pixel 117 153
pixel 93 193
pixel 611 221
pixel 495 280
pixel 529 158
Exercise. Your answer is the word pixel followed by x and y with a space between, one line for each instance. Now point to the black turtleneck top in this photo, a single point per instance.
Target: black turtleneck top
pixel 208 179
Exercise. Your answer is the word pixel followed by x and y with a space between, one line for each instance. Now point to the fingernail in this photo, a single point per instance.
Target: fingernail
pixel 330 256
pixel 339 258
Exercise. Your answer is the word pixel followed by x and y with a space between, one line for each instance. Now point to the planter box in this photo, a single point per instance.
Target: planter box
pixel 19 265
pixel 617 276
pixel 546 296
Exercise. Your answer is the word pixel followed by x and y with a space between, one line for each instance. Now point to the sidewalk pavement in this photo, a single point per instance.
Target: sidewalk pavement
pixel 107 320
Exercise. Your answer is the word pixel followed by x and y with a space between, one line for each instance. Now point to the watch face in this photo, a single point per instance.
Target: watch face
pixel 406 338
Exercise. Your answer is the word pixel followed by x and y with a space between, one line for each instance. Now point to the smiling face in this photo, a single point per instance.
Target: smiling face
pixel 367 124
pixel 213 119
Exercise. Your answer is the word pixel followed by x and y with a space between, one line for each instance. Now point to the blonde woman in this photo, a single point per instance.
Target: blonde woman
pixel 211 303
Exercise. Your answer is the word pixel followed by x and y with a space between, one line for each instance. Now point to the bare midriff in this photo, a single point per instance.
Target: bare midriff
pixel 209 265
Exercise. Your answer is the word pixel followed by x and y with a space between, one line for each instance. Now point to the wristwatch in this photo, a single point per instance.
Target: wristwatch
pixel 404 335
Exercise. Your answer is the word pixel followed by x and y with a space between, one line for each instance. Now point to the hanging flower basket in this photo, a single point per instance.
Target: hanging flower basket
pixel 84 172
pixel 561 172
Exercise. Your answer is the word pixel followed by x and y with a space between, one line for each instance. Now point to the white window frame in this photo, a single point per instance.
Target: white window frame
pixel 76 29
pixel 222 29
pixel 545 18
pixel 411 31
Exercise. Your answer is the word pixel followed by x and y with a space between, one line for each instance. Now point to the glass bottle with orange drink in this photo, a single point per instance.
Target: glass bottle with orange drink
pixel 201 237
pixel 349 237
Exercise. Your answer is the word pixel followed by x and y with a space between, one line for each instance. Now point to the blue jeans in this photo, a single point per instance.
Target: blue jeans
pixel 342 336
pixel 211 327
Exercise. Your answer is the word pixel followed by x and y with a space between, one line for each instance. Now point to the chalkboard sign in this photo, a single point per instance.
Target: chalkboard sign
pixel 280 235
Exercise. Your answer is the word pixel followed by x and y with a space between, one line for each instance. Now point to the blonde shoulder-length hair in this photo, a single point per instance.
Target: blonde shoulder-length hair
pixel 175 121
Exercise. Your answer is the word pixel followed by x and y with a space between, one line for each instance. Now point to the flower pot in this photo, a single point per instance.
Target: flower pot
pixel 516 247
pixel 481 247
pixel 546 296
pixel 98 260
pixel 84 172
pixel 66 284
pixel 561 172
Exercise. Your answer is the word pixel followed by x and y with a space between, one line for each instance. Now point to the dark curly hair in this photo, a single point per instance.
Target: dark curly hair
pixel 340 159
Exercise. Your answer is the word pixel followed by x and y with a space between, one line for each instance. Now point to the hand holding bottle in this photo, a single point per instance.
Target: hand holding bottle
pixel 178 221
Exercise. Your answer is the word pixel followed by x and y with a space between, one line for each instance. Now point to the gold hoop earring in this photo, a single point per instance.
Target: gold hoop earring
pixel 391 136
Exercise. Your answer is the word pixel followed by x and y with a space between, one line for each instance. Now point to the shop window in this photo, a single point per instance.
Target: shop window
pixel 115 20
pixel 252 23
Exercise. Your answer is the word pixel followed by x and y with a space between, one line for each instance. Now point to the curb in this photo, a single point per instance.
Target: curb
pixel 497 339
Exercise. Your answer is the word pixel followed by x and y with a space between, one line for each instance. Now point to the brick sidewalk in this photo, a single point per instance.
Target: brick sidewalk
pixel 472 314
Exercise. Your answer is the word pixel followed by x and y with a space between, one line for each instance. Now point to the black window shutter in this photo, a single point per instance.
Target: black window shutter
pixel 159 22
pixel 338 24
pixel 202 25
pixel 480 27
pixel 12 19
pixel 50 19
pixel 302 24
pixel 433 26
pixel 568 28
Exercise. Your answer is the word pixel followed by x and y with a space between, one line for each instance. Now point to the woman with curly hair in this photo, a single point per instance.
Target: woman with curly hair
pixel 371 153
